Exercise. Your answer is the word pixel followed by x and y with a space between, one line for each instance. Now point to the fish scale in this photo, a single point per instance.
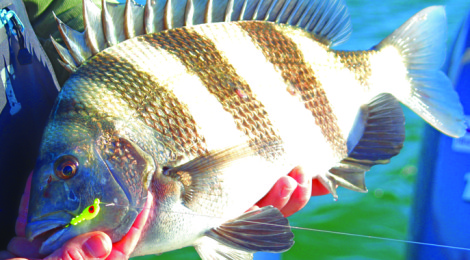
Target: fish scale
pixel 359 63
pixel 206 118
pixel 285 56
pixel 172 113
pixel 200 56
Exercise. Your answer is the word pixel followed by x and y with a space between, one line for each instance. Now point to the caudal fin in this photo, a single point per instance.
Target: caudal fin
pixel 421 43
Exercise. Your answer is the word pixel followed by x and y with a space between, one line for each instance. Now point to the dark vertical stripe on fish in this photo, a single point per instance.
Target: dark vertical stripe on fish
pixel 201 56
pixel 283 53
pixel 153 103
pixel 359 63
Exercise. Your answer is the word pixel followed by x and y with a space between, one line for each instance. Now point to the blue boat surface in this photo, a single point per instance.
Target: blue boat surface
pixel 442 203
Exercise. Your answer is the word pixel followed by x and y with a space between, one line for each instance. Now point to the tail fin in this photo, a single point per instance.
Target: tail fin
pixel 421 41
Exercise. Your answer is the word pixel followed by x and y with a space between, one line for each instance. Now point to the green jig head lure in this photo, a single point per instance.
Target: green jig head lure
pixel 88 213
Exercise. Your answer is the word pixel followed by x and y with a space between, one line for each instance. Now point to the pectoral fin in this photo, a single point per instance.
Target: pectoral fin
pixel 201 175
pixel 265 229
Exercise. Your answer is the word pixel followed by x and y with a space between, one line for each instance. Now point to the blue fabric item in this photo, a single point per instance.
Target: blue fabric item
pixel 442 204
pixel 27 91
pixel 7 17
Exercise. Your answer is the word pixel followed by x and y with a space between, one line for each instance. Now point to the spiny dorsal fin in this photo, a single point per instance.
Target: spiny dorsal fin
pixel 189 14
pixel 327 19
pixel 113 24
pixel 75 41
pixel 175 14
pixel 94 29
pixel 132 27
pixel 228 11
pixel 64 54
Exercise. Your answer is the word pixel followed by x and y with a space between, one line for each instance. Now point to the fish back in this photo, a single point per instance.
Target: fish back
pixel 115 23
pixel 229 83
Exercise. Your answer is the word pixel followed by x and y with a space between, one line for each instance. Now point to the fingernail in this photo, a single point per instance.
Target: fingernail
pixel 96 246
pixel 289 188
pixel 300 178
pixel 285 192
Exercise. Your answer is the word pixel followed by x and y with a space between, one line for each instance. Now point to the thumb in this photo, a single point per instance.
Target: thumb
pixel 95 245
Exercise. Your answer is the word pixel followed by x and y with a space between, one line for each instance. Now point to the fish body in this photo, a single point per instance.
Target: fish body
pixel 208 117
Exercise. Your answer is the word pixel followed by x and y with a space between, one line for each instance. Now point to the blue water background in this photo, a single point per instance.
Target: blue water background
pixel 385 210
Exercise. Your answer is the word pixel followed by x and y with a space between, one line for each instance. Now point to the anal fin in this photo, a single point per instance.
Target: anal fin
pixel 377 136
pixel 264 229
pixel 348 176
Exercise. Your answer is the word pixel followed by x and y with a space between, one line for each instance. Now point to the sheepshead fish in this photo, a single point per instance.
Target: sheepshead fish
pixel 205 104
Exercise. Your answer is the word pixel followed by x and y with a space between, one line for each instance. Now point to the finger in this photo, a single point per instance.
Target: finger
pixel 318 189
pixel 95 245
pixel 20 227
pixel 21 246
pixel 279 194
pixel 123 248
pixel 6 255
pixel 254 207
pixel 301 194
pixel 9 256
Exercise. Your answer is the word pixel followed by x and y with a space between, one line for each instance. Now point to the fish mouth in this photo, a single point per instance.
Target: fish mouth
pixel 43 229
pixel 47 224
pixel 48 232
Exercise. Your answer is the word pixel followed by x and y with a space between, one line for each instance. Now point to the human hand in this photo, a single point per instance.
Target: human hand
pixel 96 245
pixel 292 192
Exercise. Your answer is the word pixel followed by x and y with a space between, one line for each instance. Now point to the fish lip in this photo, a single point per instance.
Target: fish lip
pixel 49 233
pixel 53 241
pixel 42 227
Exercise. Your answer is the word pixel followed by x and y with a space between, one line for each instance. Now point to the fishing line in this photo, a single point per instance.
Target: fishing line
pixel 309 229
pixel 372 237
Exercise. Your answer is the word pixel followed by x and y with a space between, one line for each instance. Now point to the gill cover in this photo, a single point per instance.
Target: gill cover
pixel 131 167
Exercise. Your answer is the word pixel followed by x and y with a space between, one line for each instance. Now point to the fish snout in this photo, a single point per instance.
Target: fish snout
pixel 53 201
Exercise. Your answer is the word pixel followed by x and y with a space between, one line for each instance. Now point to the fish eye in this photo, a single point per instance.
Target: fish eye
pixel 66 167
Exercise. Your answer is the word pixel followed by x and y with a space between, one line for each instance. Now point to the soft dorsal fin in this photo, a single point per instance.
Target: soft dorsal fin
pixel 328 20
